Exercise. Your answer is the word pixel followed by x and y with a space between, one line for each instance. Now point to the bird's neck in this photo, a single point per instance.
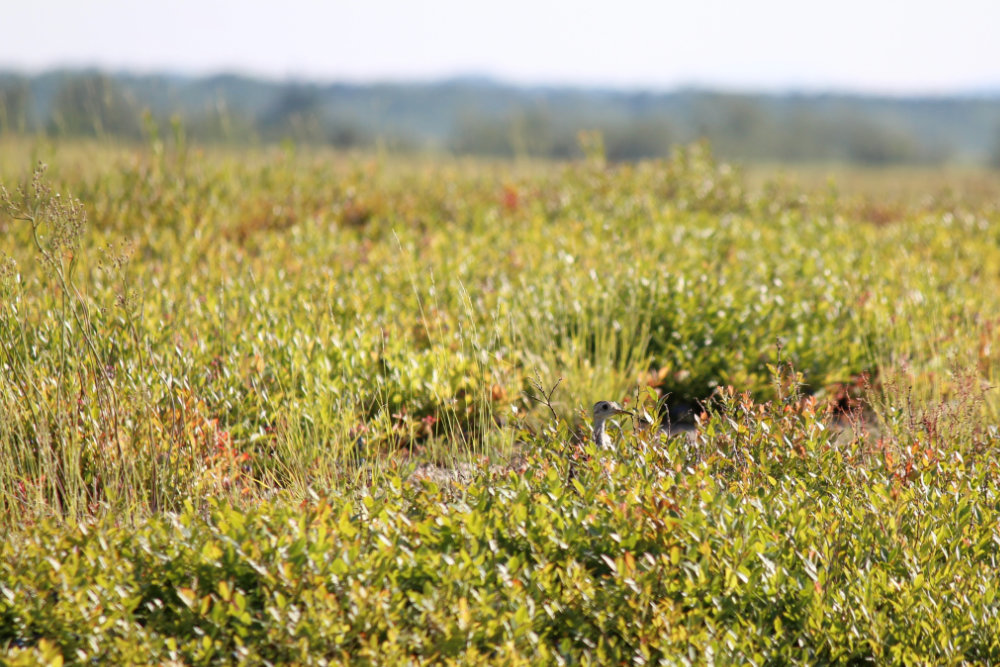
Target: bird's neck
pixel 601 437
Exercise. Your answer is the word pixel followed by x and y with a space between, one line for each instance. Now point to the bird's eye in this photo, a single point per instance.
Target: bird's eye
pixel 604 406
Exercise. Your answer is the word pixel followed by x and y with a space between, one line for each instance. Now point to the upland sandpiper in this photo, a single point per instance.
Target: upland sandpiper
pixel 604 410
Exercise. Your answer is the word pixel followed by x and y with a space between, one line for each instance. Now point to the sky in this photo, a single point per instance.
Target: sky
pixel 869 46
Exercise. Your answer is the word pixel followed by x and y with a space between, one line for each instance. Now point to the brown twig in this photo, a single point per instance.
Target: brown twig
pixel 536 382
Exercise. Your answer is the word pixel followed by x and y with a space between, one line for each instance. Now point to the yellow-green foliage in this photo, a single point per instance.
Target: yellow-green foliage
pixel 267 329
pixel 742 547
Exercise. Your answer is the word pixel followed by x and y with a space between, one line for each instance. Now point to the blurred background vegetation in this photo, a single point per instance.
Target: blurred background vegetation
pixel 482 117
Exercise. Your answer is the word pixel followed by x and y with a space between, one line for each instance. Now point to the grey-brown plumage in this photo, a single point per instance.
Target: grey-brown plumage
pixel 604 410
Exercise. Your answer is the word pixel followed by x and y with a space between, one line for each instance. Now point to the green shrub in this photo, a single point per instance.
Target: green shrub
pixel 221 376
pixel 767 540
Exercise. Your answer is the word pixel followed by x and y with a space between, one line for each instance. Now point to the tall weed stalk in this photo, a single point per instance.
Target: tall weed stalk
pixel 78 408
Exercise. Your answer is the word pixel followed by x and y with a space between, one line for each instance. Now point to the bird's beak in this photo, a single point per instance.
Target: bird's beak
pixel 622 411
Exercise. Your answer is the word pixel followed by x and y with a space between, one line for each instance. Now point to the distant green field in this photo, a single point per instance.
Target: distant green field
pixel 282 406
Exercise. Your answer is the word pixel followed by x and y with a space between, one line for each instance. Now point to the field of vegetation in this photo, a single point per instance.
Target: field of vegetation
pixel 280 405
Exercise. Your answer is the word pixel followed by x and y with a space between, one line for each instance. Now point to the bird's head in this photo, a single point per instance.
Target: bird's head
pixel 605 409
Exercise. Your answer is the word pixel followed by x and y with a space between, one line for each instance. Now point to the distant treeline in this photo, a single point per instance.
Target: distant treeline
pixel 472 116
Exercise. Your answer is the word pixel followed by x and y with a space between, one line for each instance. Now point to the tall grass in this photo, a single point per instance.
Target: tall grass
pixel 240 325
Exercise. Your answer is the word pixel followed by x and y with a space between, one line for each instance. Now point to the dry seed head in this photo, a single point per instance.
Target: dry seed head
pixel 8 270
pixel 7 265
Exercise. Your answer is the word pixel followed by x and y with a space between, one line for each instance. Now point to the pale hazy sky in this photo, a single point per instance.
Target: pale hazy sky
pixel 920 46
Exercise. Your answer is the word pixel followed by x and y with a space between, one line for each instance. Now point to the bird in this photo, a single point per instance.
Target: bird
pixel 644 424
pixel 604 410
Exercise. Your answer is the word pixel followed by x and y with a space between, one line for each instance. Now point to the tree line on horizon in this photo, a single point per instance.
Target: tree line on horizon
pixel 481 117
